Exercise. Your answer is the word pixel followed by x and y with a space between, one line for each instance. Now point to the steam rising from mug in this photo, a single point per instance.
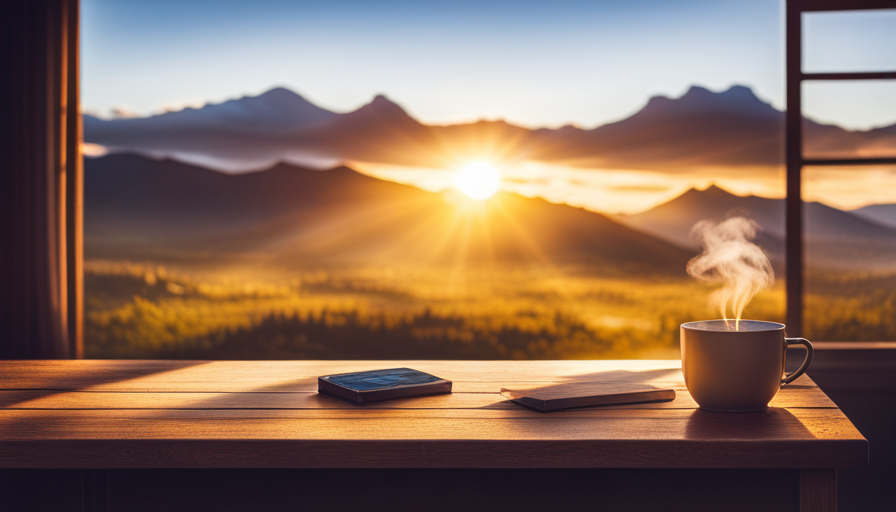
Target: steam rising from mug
pixel 730 258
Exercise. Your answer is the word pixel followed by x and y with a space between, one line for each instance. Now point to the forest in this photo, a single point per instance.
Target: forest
pixel 140 311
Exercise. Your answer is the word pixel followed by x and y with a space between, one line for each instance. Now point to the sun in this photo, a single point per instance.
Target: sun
pixel 478 180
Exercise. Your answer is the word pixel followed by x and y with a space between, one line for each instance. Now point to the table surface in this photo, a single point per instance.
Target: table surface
pixel 241 414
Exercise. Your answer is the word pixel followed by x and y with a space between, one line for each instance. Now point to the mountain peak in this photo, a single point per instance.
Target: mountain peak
pixel 276 109
pixel 737 99
pixel 712 190
pixel 281 93
pixel 716 190
pixel 733 93
pixel 696 91
pixel 281 97
pixel 740 91
pixel 381 105
pixel 380 101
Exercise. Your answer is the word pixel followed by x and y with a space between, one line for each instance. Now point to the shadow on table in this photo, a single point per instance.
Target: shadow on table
pixel 40 382
pixel 773 423
pixel 22 393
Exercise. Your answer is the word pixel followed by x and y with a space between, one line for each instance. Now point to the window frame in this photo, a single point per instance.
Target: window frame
pixel 795 161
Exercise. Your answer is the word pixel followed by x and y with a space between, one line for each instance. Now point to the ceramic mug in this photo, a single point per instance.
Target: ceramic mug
pixel 729 370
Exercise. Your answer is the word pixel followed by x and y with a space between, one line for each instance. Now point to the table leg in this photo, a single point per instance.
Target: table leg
pixel 816 490
pixel 95 490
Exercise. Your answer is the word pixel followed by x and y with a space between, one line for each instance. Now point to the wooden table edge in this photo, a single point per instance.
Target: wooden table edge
pixel 372 454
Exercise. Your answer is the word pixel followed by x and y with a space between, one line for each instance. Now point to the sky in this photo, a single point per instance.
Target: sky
pixel 533 63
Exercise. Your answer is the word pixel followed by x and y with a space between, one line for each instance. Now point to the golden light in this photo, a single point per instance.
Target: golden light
pixel 478 180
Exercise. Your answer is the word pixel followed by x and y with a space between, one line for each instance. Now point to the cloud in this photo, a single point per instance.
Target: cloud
pixel 640 188
pixel 93 150
pixel 123 112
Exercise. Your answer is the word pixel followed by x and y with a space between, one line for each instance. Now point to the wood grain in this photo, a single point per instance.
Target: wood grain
pixel 239 376
pixel 374 454
pixel 50 399
pixel 809 425
pixel 155 414
pixel 817 490
pixel 301 376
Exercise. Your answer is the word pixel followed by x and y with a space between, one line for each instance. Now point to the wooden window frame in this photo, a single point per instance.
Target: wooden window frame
pixel 795 161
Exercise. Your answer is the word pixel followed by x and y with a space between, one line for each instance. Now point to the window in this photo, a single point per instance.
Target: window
pixel 398 181
pixel 849 259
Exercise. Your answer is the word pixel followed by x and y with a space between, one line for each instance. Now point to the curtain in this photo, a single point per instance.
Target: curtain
pixel 40 181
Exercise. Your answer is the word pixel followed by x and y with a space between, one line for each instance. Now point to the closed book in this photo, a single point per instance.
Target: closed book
pixel 585 394
pixel 379 385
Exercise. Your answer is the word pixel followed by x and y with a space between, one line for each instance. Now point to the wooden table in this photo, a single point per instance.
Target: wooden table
pixel 179 414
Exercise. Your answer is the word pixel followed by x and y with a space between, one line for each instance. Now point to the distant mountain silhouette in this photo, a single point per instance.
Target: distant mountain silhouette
pixel 239 133
pixel 379 131
pixel 701 129
pixel 145 209
pixel 835 238
pixel 883 214
pixel 276 112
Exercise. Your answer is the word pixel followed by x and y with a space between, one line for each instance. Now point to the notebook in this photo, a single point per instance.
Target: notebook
pixel 379 385
pixel 585 394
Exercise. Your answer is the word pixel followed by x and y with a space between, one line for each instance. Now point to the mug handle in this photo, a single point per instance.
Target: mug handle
pixel 810 352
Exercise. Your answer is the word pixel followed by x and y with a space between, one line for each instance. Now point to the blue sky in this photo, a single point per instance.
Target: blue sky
pixel 531 63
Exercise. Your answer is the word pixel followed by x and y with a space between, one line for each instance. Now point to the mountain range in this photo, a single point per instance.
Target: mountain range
pixel 140 208
pixel 673 220
pixel 884 214
pixel 699 130
pixel 834 238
